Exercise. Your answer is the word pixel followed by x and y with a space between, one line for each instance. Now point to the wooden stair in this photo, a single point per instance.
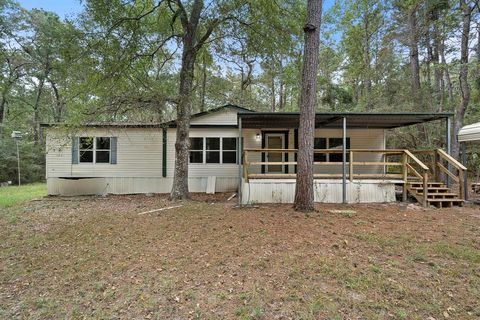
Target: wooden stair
pixel 438 195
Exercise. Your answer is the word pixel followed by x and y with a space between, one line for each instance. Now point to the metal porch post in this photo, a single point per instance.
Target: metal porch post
pixel 240 158
pixel 448 138
pixel 344 159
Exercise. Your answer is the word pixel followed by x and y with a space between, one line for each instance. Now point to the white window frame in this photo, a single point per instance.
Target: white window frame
pixel 204 151
pixel 198 150
pixel 219 150
pixel 94 150
pixel 229 150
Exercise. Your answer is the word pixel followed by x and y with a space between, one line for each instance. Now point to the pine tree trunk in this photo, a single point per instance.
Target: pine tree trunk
pixel 463 77
pixel 304 196
pixel 414 60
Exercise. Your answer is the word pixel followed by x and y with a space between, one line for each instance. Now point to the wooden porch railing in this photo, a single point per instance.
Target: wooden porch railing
pixel 444 168
pixel 351 164
pixel 403 165
pixel 412 165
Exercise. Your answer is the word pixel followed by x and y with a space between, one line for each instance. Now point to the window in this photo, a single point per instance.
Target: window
pixel 94 150
pixel 85 149
pixel 212 154
pixel 213 150
pixel 102 150
pixel 336 143
pixel 320 143
pixel 229 150
pixel 196 150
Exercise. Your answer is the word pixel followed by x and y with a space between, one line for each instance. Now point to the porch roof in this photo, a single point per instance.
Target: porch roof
pixel 258 120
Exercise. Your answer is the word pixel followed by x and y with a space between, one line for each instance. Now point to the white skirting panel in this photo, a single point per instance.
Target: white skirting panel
pixel 326 191
pixel 127 185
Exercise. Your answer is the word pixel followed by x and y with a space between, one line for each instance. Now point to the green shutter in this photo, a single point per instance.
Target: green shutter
pixel 75 150
pixel 113 150
pixel 164 152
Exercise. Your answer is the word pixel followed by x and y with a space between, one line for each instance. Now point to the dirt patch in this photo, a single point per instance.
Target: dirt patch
pixel 97 258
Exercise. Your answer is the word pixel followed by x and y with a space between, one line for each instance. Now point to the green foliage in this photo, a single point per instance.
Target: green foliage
pixel 119 61
pixel 31 161
pixel 14 195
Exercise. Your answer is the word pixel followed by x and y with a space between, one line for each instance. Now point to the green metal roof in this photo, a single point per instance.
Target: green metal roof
pixel 385 120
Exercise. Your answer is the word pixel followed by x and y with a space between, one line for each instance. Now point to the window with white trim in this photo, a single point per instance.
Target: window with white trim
pixel 196 150
pixel 229 150
pixel 212 149
pixel 94 149
pixel 207 150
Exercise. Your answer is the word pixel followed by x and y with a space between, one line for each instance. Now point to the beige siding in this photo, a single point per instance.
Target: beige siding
pixel 139 153
pixel 251 142
pixel 359 139
pixel 139 163
pixel 225 116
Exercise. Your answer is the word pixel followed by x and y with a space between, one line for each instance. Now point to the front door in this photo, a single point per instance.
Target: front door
pixel 274 141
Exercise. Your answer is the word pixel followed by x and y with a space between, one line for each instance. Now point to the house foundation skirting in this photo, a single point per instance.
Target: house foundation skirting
pixel 326 191
pixel 132 185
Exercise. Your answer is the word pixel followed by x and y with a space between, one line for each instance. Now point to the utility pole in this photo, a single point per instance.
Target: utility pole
pixel 17 135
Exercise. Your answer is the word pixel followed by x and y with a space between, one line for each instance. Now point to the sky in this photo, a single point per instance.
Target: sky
pixel 65 8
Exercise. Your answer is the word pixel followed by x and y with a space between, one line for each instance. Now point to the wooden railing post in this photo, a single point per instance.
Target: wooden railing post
pixel 425 188
pixel 461 184
pixel 452 162
pixel 350 164
pixel 404 176
pixel 245 165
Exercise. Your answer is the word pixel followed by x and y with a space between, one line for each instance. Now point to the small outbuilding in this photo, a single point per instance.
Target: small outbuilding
pixel 470 133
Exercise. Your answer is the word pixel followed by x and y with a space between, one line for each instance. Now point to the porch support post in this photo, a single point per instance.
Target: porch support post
pixel 240 159
pixel 448 141
pixel 344 159
pixel 448 135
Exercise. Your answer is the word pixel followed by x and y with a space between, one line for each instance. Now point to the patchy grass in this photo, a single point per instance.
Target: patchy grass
pixel 97 258
pixel 14 195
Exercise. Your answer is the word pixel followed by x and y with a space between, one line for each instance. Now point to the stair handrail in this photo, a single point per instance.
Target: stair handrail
pixel 460 167
pixel 451 159
pixel 417 161
pixel 423 176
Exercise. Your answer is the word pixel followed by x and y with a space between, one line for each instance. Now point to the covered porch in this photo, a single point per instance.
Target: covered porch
pixel 351 161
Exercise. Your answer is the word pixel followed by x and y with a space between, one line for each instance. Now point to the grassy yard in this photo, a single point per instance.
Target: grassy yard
pixel 14 194
pixel 97 258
